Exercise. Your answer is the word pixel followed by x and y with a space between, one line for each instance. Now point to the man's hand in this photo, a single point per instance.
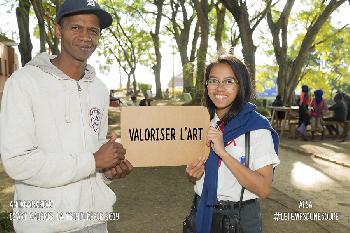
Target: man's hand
pixel 110 154
pixel 195 170
pixel 119 171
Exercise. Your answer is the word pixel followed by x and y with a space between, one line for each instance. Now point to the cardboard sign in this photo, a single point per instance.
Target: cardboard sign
pixel 164 135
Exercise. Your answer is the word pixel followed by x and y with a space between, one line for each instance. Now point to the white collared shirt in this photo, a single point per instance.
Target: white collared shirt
pixel 262 153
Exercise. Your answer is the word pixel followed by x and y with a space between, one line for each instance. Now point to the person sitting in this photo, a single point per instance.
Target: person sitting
pixel 280 115
pixel 319 107
pixel 166 93
pixel 346 99
pixel 133 100
pixel 340 113
pixel 146 101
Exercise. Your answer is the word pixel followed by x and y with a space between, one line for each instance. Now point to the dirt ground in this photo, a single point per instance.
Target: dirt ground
pixel 156 200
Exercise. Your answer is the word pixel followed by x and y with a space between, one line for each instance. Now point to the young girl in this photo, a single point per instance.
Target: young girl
pixel 218 181
pixel 319 108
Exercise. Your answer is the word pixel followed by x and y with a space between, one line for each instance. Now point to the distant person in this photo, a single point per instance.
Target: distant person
pixel 318 109
pixel 134 100
pixel 54 123
pixel 130 92
pixel 304 113
pixel 166 93
pixel 280 115
pixel 346 124
pixel 146 101
pixel 346 99
pixel 340 113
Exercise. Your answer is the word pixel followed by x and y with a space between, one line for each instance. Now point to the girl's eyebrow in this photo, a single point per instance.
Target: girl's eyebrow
pixel 228 77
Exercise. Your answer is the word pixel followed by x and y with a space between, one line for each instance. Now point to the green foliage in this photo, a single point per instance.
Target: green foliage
pixel 49 12
pixel 128 40
pixel 265 77
pixel 143 87
pixel 328 65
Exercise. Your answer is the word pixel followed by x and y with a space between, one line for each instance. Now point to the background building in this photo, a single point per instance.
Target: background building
pixel 8 60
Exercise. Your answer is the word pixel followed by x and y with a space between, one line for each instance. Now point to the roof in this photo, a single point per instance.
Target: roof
pixel 7 41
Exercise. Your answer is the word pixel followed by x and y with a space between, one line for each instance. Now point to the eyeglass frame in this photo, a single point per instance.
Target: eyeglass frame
pixel 235 82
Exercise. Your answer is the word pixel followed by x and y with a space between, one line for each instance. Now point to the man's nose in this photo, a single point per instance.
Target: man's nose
pixel 85 35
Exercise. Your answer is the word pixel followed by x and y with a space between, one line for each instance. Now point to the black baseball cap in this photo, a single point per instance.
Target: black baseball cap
pixel 73 7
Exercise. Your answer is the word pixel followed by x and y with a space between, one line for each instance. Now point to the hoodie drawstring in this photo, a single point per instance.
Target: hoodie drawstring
pixel 67 105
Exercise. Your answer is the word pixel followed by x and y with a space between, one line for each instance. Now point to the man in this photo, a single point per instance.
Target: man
pixel 54 122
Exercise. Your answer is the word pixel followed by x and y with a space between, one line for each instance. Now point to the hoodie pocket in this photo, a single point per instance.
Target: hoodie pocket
pixel 104 196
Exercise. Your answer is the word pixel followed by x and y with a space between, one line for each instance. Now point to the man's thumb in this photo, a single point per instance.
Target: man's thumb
pixel 113 137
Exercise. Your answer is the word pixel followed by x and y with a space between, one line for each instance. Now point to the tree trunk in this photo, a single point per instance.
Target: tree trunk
pixel 240 13
pixel 134 82
pixel 181 35
pixel 156 42
pixel 38 9
pixel 248 46
pixel 220 26
pixel 202 11
pixel 281 47
pixel 25 45
pixel 290 70
pixel 188 72
pixel 51 39
pixel 128 83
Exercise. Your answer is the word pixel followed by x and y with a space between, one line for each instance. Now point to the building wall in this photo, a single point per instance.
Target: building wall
pixel 8 64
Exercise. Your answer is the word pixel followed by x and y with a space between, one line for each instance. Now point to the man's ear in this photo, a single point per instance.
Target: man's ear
pixel 58 30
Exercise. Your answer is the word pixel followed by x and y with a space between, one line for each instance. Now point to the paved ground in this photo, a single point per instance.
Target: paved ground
pixel 157 199
pixel 330 149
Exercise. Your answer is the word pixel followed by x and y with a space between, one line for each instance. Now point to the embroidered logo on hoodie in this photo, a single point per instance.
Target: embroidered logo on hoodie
pixel 95 117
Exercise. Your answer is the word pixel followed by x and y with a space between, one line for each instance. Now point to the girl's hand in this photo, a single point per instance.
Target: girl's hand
pixel 195 170
pixel 216 141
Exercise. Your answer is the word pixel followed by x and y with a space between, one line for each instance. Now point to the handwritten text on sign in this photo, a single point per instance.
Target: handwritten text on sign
pixel 164 135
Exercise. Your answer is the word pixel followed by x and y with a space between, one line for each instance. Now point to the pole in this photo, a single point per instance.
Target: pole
pixel 173 72
pixel 120 78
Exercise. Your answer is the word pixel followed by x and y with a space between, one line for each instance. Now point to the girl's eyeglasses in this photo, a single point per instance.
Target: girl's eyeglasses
pixel 213 83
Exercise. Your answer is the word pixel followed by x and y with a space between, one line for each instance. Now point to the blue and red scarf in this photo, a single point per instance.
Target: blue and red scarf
pixel 247 120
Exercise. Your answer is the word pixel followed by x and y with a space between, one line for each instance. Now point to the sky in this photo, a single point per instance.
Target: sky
pixel 171 64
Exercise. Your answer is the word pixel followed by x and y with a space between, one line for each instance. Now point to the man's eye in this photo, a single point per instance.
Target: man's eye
pixel 95 32
pixel 75 27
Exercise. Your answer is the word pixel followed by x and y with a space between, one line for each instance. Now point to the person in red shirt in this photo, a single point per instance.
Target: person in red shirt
pixel 304 115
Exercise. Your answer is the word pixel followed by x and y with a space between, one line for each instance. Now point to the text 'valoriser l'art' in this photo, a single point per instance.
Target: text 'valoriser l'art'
pixel 165 134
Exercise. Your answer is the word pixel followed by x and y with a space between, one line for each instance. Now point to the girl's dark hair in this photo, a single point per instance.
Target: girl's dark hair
pixel 244 89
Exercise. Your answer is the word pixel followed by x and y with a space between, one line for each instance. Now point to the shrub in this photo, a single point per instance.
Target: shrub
pixel 143 87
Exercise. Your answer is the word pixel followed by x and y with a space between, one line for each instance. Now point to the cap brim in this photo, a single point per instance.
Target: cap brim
pixel 104 17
